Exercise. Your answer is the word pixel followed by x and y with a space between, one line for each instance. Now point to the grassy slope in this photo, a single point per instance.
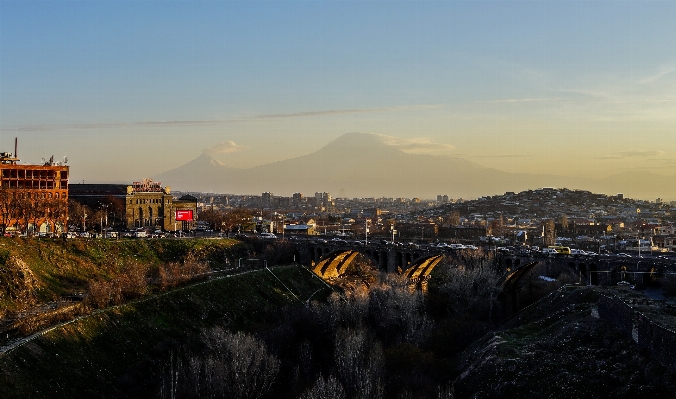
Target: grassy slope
pixel 116 352
pixel 56 267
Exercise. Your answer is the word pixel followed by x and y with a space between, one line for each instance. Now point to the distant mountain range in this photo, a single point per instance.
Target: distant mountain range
pixel 363 165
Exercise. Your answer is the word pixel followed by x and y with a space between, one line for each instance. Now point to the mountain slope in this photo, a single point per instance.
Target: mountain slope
pixel 363 165
pixel 200 174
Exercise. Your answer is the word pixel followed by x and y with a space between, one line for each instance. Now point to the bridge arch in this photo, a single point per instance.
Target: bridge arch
pixel 335 263
pixel 421 269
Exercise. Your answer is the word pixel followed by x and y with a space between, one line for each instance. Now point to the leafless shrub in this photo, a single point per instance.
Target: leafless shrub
pixel 174 273
pixel 134 280
pixel 236 365
pixel 329 388
pixel 359 363
pixel 103 293
pixel 399 309
pixel 169 275
pixel 471 290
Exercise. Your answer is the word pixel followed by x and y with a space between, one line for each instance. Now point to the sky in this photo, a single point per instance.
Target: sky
pixel 130 89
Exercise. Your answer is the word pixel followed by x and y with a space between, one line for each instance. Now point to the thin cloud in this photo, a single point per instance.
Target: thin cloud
pixel 633 154
pixel 640 154
pixel 213 122
pixel 225 147
pixel 504 156
pixel 520 100
pixel 419 145
pixel 609 157
pixel 347 111
pixel 663 71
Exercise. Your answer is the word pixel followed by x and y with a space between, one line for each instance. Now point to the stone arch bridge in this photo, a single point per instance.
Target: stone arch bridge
pixel 330 260
pixel 595 270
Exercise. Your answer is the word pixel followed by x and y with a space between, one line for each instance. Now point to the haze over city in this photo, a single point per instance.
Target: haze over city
pixel 581 90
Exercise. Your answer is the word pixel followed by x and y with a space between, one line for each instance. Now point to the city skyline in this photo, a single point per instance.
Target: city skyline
pixel 134 89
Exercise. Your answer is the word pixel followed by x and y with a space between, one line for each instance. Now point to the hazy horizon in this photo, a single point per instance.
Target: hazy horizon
pixel 129 89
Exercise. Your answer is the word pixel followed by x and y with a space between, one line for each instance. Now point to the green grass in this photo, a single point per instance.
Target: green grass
pixel 62 267
pixel 97 355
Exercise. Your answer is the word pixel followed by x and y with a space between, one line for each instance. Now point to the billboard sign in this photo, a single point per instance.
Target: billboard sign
pixel 184 214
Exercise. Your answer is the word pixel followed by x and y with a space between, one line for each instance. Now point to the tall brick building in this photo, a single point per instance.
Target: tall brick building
pixel 33 198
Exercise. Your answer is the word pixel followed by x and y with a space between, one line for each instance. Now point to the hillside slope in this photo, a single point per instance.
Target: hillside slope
pixel 34 271
pixel 561 349
pixel 126 350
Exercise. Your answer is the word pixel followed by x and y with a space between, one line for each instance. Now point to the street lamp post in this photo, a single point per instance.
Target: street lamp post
pixel 105 210
pixel 366 230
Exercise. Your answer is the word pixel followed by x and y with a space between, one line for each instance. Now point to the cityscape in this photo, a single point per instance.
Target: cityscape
pixel 411 199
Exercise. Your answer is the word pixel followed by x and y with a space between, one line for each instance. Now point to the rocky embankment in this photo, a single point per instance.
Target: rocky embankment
pixel 561 349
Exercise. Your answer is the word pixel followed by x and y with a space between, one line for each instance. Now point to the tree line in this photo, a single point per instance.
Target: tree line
pixel 25 210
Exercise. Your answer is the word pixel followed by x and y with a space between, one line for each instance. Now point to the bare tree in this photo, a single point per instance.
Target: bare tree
pixel 9 206
pixel 29 210
pixel 235 217
pixel 56 212
pixel 78 213
pixel 359 363
pixel 214 217
pixel 472 288
pixel 399 310
pixel 329 388
pixel 236 365
pixel 114 208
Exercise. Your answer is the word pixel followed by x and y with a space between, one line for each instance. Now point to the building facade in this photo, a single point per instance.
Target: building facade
pixel 146 204
pixel 33 198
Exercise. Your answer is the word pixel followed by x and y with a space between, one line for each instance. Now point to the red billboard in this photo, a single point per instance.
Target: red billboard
pixel 184 214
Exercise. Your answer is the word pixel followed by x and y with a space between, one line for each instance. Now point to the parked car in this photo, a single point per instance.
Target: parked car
pixel 268 236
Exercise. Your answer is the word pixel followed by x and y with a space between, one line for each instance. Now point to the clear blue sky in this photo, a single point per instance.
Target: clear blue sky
pixel 129 89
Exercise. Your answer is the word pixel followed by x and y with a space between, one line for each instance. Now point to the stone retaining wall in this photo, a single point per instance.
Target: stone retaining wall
pixel 658 340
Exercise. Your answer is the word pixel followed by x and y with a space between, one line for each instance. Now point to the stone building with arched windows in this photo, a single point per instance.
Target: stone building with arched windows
pixel 146 204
